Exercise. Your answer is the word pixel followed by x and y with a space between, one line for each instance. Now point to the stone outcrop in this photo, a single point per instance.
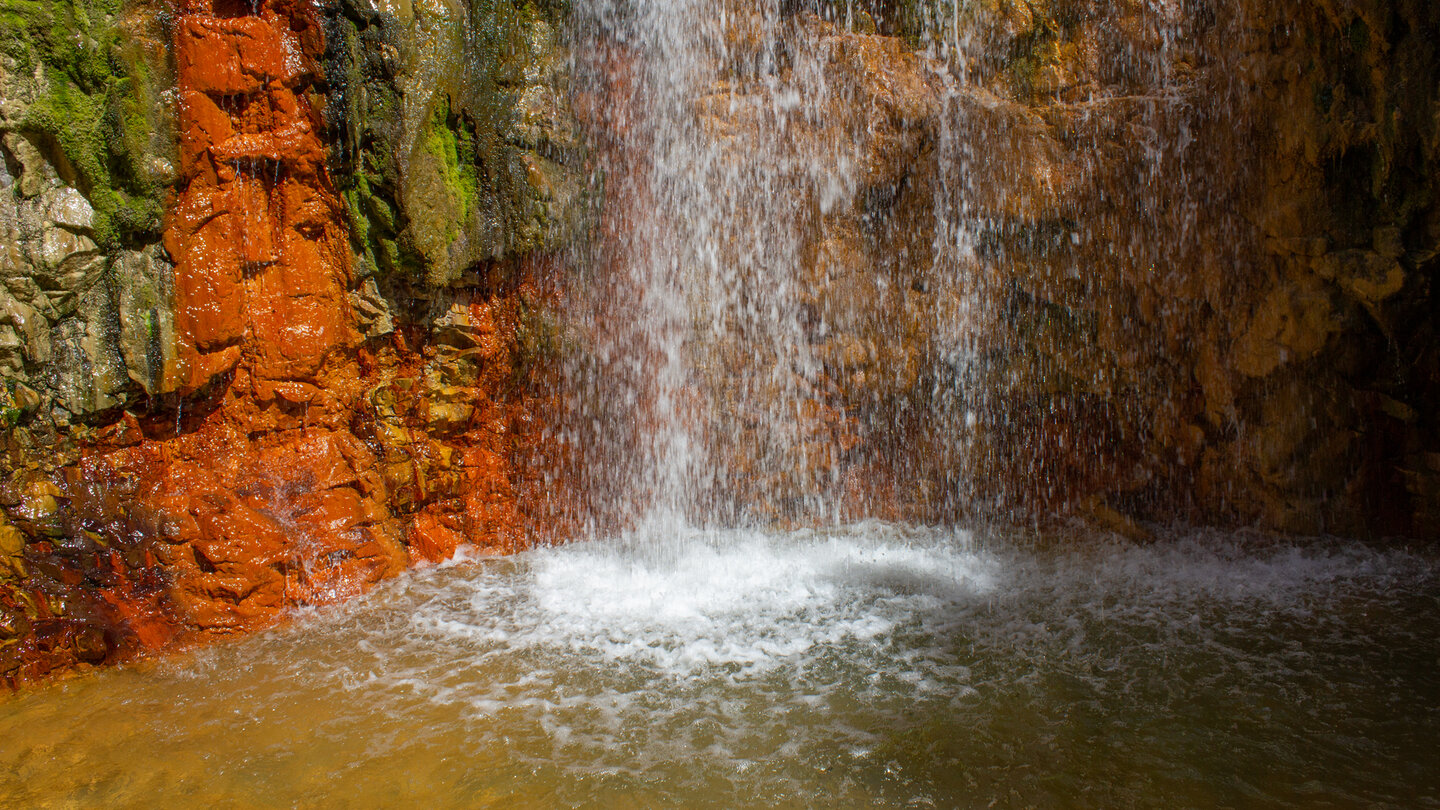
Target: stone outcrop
pixel 1117 260
pixel 454 139
pixel 1218 300
pixel 252 412
pixel 465 186
pixel 1106 259
pixel 87 324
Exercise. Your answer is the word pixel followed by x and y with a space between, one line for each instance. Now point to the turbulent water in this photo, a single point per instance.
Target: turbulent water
pixel 868 665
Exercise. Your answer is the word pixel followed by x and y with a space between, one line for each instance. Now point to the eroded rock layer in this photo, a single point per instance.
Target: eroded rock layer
pixel 1215 256
pixel 1128 261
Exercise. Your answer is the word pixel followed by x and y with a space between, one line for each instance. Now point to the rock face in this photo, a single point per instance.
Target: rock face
pixel 1123 260
pixel 296 296
pixel 262 265
pixel 255 504
pixel 87 327
pixel 257 411
pixel 1215 260
pixel 453 134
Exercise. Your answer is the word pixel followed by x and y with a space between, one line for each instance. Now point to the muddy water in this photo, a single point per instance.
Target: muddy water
pixel 863 666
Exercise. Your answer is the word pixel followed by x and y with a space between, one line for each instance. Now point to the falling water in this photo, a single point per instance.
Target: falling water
pixel 759 156
pixel 723 174
pixel 843 268
pixel 750 384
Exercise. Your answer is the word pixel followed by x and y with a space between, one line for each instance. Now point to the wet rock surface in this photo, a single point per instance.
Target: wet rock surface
pixel 205 429
pixel 86 320
pixel 290 299
pixel 1229 221
pixel 1120 261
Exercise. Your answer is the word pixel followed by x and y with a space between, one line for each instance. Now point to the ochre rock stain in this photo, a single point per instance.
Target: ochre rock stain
pixel 293 462
pixel 264 499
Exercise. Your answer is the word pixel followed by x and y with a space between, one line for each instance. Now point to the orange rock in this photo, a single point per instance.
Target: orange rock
pixel 262 266
pixel 258 228
pixel 209 294
pixel 431 540
pixel 204 369
pixel 228 56
pixel 236 535
pixel 205 124
pixel 297 465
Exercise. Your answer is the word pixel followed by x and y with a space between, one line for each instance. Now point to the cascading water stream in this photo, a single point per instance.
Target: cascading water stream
pixel 736 165
pixel 800 334
pixel 829 247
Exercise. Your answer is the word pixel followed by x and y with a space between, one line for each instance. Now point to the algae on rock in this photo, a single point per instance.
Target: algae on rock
pixel 88 143
pixel 456 148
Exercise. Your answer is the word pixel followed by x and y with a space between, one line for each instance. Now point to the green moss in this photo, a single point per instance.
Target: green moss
pixel 99 111
pixel 538 337
pixel 552 11
pixel 443 144
pixel 1021 73
pixel 11 413
pixel 454 192
pixel 468 174
pixel 365 164
pixel 908 19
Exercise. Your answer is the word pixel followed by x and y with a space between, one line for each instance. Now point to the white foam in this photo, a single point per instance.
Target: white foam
pixel 801 664
pixel 655 652
pixel 733 599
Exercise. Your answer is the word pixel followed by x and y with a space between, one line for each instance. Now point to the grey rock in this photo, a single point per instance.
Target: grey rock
pixel 12 359
pixel 63 252
pixel 372 310
pixel 30 327
pixel 68 208
pixel 36 173
pixel 24 289
pixel 89 374
pixel 452 323
pixel 145 282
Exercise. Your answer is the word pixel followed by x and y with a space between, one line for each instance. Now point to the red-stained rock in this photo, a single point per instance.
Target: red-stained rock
pixel 205 124
pixel 286 462
pixel 228 56
pixel 431 540
pixel 268 500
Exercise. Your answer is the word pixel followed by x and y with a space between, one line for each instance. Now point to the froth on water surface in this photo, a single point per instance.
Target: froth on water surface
pixel 870 664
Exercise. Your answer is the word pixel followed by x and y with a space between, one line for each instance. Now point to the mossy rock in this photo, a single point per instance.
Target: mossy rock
pixel 98 112
pixel 440 163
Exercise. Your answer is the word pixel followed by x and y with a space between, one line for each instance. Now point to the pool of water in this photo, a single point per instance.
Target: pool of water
pixel 861 666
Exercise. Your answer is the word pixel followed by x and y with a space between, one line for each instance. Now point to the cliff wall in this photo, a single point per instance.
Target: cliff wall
pixel 297 296
pixel 1218 303
pixel 1127 261
pixel 278 290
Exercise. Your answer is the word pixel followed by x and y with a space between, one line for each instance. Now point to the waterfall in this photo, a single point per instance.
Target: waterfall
pixel 915 273
pixel 846 279
pixel 738 184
